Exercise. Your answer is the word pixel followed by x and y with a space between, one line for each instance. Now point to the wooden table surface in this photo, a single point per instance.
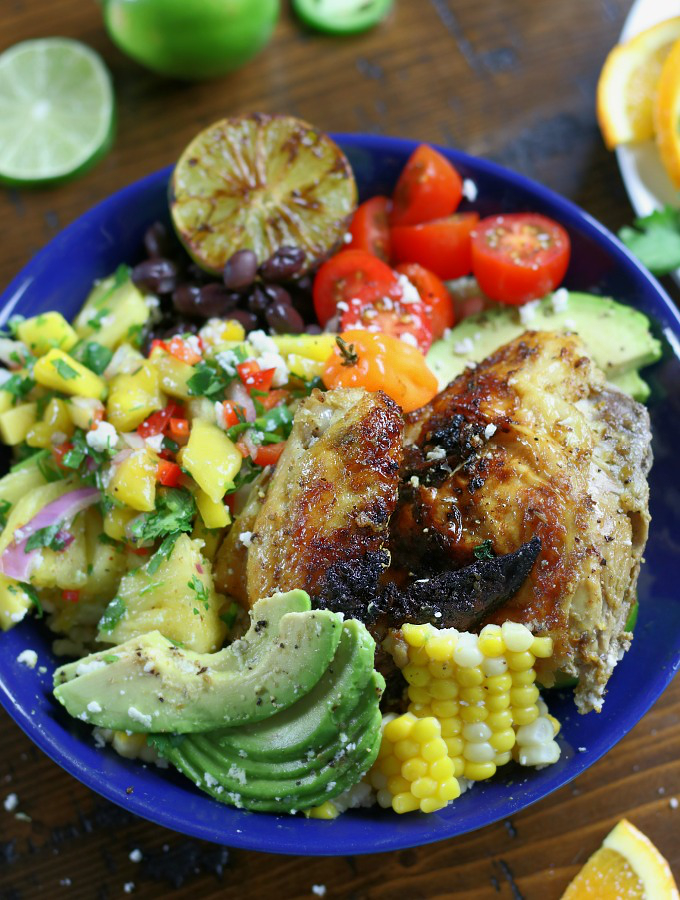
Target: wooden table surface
pixel 510 80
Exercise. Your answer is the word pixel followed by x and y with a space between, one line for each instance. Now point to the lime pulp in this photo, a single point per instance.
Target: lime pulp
pixel 56 110
pixel 341 16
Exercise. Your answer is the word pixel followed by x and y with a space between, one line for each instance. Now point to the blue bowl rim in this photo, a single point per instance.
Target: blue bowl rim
pixel 568 212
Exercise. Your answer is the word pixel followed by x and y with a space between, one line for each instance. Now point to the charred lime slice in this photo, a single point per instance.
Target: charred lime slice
pixel 261 182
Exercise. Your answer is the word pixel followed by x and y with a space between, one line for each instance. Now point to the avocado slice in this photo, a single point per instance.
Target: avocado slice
pixel 616 336
pixel 150 684
pixel 632 384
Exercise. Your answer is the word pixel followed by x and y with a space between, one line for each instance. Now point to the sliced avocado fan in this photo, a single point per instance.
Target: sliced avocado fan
pixel 150 684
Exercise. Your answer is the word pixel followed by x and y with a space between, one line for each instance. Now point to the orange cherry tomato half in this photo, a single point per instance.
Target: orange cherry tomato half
pixel 428 188
pixel 380 362
pixel 434 296
pixel 443 246
pixel 349 274
pixel 370 228
pixel 407 321
pixel 518 257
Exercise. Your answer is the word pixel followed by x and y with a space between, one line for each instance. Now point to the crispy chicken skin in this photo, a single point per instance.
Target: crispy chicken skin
pixel 532 441
pixel 332 494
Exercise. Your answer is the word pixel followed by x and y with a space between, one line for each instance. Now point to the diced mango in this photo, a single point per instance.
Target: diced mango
pixel 134 481
pixel 112 313
pixel 174 374
pixel 212 460
pixel 84 410
pixel 14 602
pixel 312 346
pixel 304 367
pixel 214 514
pixel 211 538
pixel 61 372
pixel 116 521
pixel 134 397
pixel 6 400
pixel 124 361
pixel 16 422
pixel 45 332
pixel 64 570
pixel 17 484
pixel 55 427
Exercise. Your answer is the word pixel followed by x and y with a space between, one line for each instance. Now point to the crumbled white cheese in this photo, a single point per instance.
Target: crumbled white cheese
pixel 414 481
pixel 527 312
pixel 11 802
pixel 464 347
pixel 246 538
pixel 84 668
pixel 570 324
pixel 193 342
pixel 228 360
pixel 409 339
pixel 102 436
pixel 319 890
pixel 28 658
pixel 409 292
pixel 140 717
pixel 135 855
pixel 490 430
pixel 155 442
pixel 560 300
pixel 129 887
pixel 348 238
pixel 94 707
pixel 469 190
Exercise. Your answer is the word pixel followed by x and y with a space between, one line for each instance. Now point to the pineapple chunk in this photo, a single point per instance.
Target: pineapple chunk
pixel 116 521
pixel 84 410
pixel 56 423
pixel 14 603
pixel 304 367
pixel 65 569
pixel 174 374
pixel 133 397
pixel 312 346
pixel 17 484
pixel 113 313
pixel 214 514
pixel 134 481
pixel 46 331
pixel 61 372
pixel 212 460
pixel 178 599
pixel 124 361
pixel 15 423
pixel 210 537
pixel 6 400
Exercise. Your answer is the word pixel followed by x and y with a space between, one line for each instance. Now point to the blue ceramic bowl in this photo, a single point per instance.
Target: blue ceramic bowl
pixel 60 277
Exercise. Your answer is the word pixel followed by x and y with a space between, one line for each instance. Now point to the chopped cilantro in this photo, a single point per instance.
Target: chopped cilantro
pixel 64 370
pixel 13 324
pixel 175 512
pixel 73 459
pixel 201 591
pixel 113 613
pixel 32 594
pixel 18 386
pixel 655 240
pixel 94 355
pixel 109 658
pixel 134 335
pixel 229 617
pixel 484 550
pixel 52 537
pixel 109 541
pixel 5 507
pixel 162 553
pixel 207 381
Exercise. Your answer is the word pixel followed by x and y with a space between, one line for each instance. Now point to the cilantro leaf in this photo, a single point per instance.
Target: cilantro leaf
pixel 206 381
pixel 175 512
pixel 163 552
pixel 113 613
pixel 67 372
pixel 484 550
pixel 33 597
pixel 18 386
pixel 655 240
pixel 5 507
pixel 201 591
pixel 53 537
pixel 94 355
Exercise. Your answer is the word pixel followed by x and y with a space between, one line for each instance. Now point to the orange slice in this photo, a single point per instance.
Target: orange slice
pixel 666 112
pixel 626 865
pixel 627 84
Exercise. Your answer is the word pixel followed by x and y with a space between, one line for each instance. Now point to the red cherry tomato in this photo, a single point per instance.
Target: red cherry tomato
pixel 519 256
pixel 428 188
pixel 406 321
pixel 349 274
pixel 370 228
pixel 434 296
pixel 443 246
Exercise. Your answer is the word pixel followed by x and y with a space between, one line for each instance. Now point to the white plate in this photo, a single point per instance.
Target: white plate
pixel 647 185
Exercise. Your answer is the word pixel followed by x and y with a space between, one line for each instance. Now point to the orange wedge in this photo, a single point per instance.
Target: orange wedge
pixel 627 85
pixel 666 112
pixel 626 865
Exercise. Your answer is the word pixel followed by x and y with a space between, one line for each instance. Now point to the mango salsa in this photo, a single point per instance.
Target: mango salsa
pixel 212 460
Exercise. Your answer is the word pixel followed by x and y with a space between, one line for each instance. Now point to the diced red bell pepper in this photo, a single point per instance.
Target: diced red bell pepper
pixel 59 452
pixel 70 596
pixel 229 414
pixel 168 473
pixel 157 422
pixel 156 342
pixel 268 454
pixel 273 398
pixel 178 428
pixel 183 351
pixel 254 377
pixel 139 551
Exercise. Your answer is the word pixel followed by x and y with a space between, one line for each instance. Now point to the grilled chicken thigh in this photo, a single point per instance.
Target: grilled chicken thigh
pixel 532 441
pixel 332 494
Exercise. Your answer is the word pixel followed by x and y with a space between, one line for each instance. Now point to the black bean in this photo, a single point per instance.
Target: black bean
pixel 185 298
pixel 283 318
pixel 215 300
pixel 197 274
pixel 276 294
pixel 247 319
pixel 157 275
pixel 181 326
pixel 240 270
pixel 258 301
pixel 157 241
pixel 285 263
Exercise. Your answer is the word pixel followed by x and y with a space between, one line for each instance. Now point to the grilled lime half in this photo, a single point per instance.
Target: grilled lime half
pixel 261 182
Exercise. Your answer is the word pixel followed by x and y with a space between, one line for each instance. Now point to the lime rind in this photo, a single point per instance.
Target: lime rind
pixel 56 111
pixel 341 16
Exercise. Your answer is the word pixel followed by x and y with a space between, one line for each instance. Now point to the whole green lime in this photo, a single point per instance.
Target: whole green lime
pixel 191 39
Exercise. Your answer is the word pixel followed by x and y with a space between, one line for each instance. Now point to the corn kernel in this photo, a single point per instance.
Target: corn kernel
pixel 467 654
pixel 404 749
pixel 474 714
pixel 476 731
pixel 451 727
pixel 491 644
pixel 418 656
pixel 518 662
pixel 479 753
pixel 495 666
pixel 472 696
pixel 479 771
pixel 418 694
pixel 502 741
pixel 499 684
pixel 498 702
pixel 326 811
pixel 440 669
pixel 384 799
pixel 449 790
pixel 524 715
pixel 405 802
pixel 420 710
pixel 417 675
pixel 444 709
pixel 524 696
pixel 399 728
pixel 424 787
pixel 442 690
pixel 517 637
pixel 397 784
pixel 441 769
pixel 431 804
pixel 415 635
pixel 425 731
pixel 503 758
pixel 470 676
pixel 413 769
pixel 434 749
pixel 391 766
pixel 499 721
pixel 556 724
pixel 440 648
pixel 542 647
pixel 528 676
pixel 379 779
pixel 454 746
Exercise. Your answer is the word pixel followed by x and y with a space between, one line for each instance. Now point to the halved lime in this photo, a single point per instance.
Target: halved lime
pixel 261 182
pixel 342 16
pixel 56 110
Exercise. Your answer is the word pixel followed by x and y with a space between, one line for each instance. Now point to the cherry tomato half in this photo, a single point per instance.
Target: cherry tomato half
pixel 406 321
pixel 519 256
pixel 443 246
pixel 349 274
pixel 428 188
pixel 380 362
pixel 370 228
pixel 434 296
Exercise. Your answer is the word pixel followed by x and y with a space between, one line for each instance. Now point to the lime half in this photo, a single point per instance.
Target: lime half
pixel 341 16
pixel 56 110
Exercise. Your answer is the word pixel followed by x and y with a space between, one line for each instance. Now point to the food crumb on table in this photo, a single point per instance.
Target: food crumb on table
pixel 11 802
pixel 129 887
pixel 319 890
pixel 28 658
pixel 136 855
pixel 673 803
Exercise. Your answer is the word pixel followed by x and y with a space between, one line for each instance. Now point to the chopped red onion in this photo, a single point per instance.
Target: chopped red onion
pixel 239 395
